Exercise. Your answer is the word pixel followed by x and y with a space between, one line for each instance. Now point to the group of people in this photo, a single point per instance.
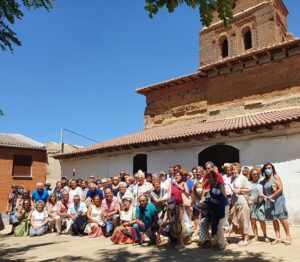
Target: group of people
pixel 180 204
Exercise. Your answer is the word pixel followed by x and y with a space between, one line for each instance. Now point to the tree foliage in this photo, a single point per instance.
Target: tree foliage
pixel 205 7
pixel 10 11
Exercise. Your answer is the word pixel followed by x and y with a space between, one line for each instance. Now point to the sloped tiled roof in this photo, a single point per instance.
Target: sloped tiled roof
pixel 189 129
pixel 17 140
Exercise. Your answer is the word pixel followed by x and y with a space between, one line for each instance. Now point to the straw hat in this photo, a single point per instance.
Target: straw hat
pixel 176 229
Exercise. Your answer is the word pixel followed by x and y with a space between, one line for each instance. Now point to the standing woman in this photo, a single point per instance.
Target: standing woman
pixel 257 208
pixel 197 195
pixel 219 201
pixel 58 190
pixel 275 203
pixel 24 196
pixel 95 218
pixel 177 189
pixel 54 218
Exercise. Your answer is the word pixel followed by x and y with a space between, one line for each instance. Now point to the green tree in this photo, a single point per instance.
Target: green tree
pixel 10 11
pixel 206 8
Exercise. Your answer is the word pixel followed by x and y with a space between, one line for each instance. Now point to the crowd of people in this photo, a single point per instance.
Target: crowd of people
pixel 128 209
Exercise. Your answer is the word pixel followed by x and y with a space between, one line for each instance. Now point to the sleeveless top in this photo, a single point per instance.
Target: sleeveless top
pixel 127 216
pixel 53 208
pixel 96 214
pixel 177 194
pixel 278 207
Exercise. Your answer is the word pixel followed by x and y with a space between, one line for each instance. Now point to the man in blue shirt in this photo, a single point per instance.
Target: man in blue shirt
pixel 40 193
pixel 93 191
pixel 146 220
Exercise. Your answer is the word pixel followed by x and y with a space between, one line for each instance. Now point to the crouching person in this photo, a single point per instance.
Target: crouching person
pixel 78 215
pixel 146 221
pixel 39 220
pixel 62 212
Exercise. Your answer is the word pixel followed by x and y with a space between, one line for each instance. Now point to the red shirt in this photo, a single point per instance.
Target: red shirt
pixel 220 180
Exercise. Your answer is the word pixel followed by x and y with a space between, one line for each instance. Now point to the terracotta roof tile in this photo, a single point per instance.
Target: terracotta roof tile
pixel 191 128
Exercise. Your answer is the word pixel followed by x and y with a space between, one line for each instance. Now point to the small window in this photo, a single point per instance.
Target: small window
pixel 224 47
pixel 248 40
pixel 22 166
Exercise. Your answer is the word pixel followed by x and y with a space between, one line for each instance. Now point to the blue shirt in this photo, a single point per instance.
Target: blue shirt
pixel 146 215
pixel 37 195
pixel 93 194
pixel 190 184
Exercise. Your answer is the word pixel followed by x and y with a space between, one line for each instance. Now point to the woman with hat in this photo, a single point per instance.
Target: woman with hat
pixel 171 227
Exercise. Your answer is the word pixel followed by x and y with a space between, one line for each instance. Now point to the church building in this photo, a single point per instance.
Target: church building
pixel 241 105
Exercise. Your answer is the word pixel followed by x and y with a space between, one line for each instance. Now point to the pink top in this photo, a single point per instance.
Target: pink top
pixel 110 207
pixel 63 208
pixel 177 194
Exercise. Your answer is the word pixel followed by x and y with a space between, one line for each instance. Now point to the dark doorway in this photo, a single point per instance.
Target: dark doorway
pixel 140 163
pixel 219 154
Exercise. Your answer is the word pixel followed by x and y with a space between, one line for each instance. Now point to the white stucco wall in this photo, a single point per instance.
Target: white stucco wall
pixel 283 150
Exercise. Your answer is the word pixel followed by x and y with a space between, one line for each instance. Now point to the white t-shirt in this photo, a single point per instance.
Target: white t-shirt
pixel 39 217
pixel 241 182
pixel 76 191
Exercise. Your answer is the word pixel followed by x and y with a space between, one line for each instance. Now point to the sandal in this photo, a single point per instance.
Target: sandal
pixel 267 240
pixel 288 242
pixel 253 240
pixel 243 243
pixel 276 241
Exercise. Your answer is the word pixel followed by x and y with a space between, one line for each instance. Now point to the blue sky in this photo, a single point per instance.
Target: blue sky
pixel 80 64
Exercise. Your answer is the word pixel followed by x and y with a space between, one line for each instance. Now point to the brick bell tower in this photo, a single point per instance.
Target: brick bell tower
pixel 256 24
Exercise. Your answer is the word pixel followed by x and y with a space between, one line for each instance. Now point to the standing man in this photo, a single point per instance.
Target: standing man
pixel 40 193
pixel 122 176
pixel 171 174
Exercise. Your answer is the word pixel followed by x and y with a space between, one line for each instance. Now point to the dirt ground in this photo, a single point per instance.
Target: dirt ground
pixel 52 247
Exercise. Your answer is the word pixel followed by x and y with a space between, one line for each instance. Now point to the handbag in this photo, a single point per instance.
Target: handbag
pixel 186 201
pixel 13 220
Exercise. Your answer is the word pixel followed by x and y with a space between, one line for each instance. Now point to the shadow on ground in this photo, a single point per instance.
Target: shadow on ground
pixel 9 253
pixel 165 253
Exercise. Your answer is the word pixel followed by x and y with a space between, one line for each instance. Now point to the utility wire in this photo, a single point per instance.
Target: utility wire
pixel 75 133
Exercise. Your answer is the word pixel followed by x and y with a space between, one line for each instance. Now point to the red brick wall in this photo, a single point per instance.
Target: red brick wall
pixel 254 81
pixel 6 168
pixel 196 97
pixel 266 22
